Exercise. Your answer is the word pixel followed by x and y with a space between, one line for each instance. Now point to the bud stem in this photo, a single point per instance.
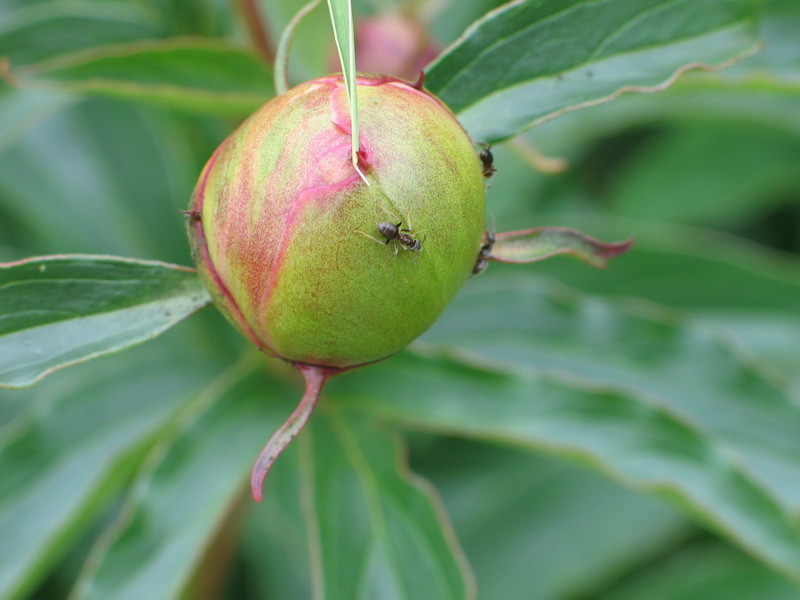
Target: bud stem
pixel 315 379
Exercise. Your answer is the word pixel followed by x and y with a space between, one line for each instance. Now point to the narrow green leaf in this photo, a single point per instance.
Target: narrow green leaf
pixel 282 55
pixel 563 531
pixel 631 436
pixel 79 438
pixel 344 34
pixel 60 310
pixel 191 74
pixel 378 531
pixel 533 245
pixel 530 61
pixel 192 481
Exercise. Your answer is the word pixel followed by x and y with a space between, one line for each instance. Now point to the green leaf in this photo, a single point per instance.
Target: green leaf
pixel 376 528
pixel 40 31
pixel 540 243
pixel 707 572
pixel 378 531
pixel 282 55
pixel 697 270
pixel 191 74
pixel 564 532
pixel 61 310
pixel 22 109
pixel 192 481
pixel 629 436
pixel 530 61
pixel 120 174
pixel 343 32
pixel 691 370
pixel 719 175
pixel 77 441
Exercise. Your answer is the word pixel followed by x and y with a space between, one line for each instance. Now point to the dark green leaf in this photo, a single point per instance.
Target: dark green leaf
pixel 530 61
pixel 717 175
pixel 190 74
pixel 61 310
pixel 692 371
pixel 629 435
pixel 708 572
pixel 44 30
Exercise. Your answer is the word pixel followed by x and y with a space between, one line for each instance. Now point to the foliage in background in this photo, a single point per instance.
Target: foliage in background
pixel 630 433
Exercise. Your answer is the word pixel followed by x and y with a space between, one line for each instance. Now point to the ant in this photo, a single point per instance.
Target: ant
pixel 393 232
pixel 487 160
pixel 484 253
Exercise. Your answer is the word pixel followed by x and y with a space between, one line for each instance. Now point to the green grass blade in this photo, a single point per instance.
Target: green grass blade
pixel 342 21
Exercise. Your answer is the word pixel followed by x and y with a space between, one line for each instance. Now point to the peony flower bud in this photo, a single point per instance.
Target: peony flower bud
pixel 324 268
pixel 310 262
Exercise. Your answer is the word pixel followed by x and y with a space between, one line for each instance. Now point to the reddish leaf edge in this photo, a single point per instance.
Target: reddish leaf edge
pixel 600 253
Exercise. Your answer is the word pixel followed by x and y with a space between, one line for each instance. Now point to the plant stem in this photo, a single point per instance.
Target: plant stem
pixel 256 28
pixel 315 379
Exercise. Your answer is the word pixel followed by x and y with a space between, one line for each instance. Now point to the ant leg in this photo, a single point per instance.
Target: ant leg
pixel 374 239
pixel 391 214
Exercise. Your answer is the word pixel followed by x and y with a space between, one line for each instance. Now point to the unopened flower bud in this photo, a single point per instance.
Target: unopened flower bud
pixel 309 261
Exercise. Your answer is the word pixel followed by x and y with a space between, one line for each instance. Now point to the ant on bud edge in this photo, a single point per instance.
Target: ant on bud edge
pixel 487 160
pixel 405 237
pixel 484 253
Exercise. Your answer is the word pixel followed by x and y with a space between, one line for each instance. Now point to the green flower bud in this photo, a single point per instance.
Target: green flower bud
pixel 301 254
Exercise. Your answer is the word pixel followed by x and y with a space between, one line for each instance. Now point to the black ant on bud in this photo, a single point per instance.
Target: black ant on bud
pixel 487 160
pixel 485 252
pixel 405 237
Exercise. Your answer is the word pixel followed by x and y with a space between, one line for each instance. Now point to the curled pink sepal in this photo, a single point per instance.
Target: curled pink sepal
pixel 315 379
pixel 539 243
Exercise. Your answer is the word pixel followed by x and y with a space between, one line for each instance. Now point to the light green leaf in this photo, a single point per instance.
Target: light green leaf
pixel 563 531
pixel 77 441
pixel 60 310
pixel 529 61
pixel 633 437
pixel 378 531
pixel 191 74
pixel 344 34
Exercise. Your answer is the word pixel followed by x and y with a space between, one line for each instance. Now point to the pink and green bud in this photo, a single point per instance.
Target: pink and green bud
pixel 281 222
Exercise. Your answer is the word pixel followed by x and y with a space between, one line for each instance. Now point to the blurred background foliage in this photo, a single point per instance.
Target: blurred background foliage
pixel 124 477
